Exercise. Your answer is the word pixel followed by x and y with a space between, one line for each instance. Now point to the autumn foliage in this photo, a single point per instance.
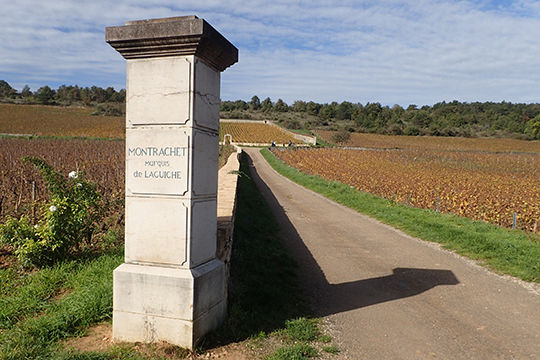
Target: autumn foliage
pixel 58 121
pixel 21 186
pixel 481 185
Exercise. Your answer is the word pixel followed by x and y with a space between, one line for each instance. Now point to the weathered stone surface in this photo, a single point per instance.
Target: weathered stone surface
pixel 171 286
pixel 176 36
pixel 158 303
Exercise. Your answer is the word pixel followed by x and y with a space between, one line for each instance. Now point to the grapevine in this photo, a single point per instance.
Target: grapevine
pixel 482 186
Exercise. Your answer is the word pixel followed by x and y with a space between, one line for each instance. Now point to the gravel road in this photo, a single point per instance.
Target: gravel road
pixel 387 295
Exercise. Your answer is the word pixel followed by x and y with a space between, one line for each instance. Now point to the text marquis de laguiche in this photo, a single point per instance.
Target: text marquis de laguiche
pixel 159 152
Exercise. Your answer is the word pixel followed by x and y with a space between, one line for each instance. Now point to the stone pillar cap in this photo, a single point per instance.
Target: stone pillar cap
pixel 176 36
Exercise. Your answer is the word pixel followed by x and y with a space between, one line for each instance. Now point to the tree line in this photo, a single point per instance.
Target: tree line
pixel 106 101
pixel 454 118
pixel 442 119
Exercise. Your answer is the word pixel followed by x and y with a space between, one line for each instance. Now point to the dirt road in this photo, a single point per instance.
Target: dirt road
pixel 390 296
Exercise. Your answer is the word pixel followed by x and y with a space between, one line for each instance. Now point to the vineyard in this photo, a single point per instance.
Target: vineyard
pixel 482 186
pixel 21 185
pixel 255 133
pixel 79 122
pixel 102 161
pixel 57 121
pixel 436 143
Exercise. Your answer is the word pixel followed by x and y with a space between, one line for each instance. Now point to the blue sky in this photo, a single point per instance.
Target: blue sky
pixel 388 51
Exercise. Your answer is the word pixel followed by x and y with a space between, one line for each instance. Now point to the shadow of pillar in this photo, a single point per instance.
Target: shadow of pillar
pixel 336 298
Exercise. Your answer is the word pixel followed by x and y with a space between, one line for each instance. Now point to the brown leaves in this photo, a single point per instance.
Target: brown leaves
pixel 478 185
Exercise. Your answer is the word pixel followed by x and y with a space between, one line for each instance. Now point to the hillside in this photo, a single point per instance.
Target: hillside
pixel 452 119
pixel 58 121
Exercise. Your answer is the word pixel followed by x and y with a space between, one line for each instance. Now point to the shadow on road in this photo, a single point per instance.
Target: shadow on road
pixel 329 298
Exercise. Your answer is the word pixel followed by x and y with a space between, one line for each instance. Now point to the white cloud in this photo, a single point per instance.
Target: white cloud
pixel 391 51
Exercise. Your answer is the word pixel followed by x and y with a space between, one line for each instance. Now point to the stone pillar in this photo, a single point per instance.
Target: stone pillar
pixel 171 286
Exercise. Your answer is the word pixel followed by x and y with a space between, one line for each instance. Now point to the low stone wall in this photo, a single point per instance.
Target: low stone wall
pixel 244 121
pixel 226 206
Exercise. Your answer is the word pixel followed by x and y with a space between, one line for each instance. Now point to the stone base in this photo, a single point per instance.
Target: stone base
pixel 175 305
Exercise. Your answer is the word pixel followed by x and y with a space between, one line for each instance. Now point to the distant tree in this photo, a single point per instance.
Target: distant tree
pixel 328 111
pixel 421 118
pixel 121 95
pixel 255 103
pixel 267 105
pixel 533 127
pixel 45 95
pixel 99 95
pixel 281 106
pixel 397 114
pixel 63 94
pixel 344 111
pixel 111 94
pixel 241 105
pixel 341 137
pixel 299 106
pixel 6 90
pixel 86 95
pixel 75 94
pixel 369 117
pixel 312 108
pixel 26 92
pixel 226 106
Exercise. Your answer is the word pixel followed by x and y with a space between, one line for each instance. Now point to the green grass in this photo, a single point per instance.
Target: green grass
pixel 53 304
pixel 511 252
pixel 294 352
pixel 264 290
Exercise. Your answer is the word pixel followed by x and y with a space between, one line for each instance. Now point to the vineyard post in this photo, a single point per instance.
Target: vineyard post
pixel 438 202
pixel 33 202
pixel 171 286
pixel 514 221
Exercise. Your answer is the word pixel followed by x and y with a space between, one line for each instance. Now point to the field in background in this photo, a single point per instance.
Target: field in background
pixel 79 122
pixel 58 121
pixel 483 179
pixel 436 143
pixel 256 133
pixel 485 186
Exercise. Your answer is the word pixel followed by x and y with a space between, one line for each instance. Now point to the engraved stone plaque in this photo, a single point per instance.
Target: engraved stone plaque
pixel 157 161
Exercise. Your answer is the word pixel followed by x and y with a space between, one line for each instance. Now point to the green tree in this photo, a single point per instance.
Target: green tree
pixel 533 127
pixel 255 103
pixel 299 106
pixel 341 137
pixel 281 106
pixel 267 105
pixel 344 111
pixel 45 95
pixel 99 95
pixel 75 94
pixel 63 94
pixel 226 106
pixel 241 105
pixel 26 92
pixel 328 111
pixel 6 90
pixel 86 95
pixel 312 108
